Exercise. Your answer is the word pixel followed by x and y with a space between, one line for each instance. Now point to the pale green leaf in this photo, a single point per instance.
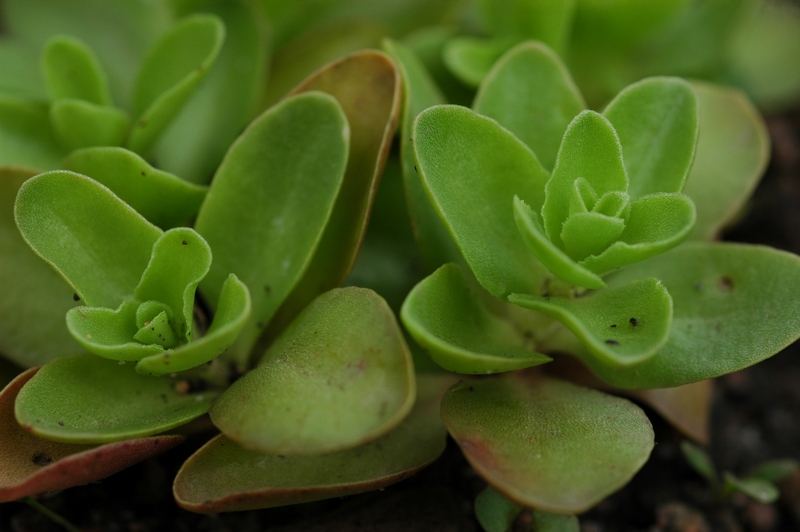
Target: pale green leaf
pixel 470 59
pixel 80 124
pixel 549 22
pixel 71 71
pixel 109 333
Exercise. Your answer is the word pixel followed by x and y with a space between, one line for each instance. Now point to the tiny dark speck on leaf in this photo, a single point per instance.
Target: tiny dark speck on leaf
pixel 612 342
pixel 698 286
pixel 41 459
pixel 76 297
pixel 472 388
pixel 184 242
pixel 613 325
pixel 60 423
pixel 634 322
pixel 267 288
pixel 143 172
pixel 415 169
pixel 725 283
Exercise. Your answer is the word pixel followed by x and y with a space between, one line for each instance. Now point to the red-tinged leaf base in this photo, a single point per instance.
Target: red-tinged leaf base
pixel 30 465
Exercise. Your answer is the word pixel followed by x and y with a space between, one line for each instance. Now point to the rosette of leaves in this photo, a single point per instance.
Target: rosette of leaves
pixel 572 231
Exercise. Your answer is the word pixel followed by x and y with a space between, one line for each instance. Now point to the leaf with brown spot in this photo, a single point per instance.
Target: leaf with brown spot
pixel 367 84
pixel 30 465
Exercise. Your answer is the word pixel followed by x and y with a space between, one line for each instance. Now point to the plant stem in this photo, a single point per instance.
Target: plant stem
pixel 69 527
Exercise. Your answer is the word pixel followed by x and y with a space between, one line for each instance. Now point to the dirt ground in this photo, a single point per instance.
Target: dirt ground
pixel 756 417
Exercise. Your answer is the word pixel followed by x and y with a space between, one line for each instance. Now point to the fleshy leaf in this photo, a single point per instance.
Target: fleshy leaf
pixel 367 84
pixel 339 376
pixel 545 443
pixel 590 149
pixel 196 140
pixel 530 92
pixel 222 476
pixel 87 399
pixel 34 298
pixel 590 233
pixel 549 22
pixel 656 120
pixel 81 124
pixel 26 136
pixel 71 71
pixel 687 407
pixel 656 223
pixel 458 332
pixel 266 230
pixel 157 330
pixel 420 92
pixel 164 199
pixel 494 512
pixel 230 317
pixel 30 465
pixel 735 305
pixel 109 333
pixel 471 59
pixel 732 153
pixel 99 244
pixel 700 461
pixel 472 168
pixel 170 73
pixel 621 326
pixel 556 260
pixel 548 522
pixel 180 260
pixel 763 491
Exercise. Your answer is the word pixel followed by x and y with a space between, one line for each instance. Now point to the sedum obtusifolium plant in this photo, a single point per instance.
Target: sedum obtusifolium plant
pixel 174 234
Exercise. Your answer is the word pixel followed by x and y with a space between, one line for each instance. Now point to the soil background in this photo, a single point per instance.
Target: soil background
pixel 755 417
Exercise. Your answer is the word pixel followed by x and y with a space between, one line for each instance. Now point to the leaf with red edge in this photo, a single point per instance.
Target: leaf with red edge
pixel 30 465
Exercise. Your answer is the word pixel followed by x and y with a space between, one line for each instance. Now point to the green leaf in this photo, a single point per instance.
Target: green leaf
pixel 34 298
pixel 420 92
pixel 656 120
pixel 541 442
pixel 590 233
pixel 530 92
pixel 164 199
pixel 761 490
pixel 87 399
pixel 99 244
pixel 71 71
pixel 307 396
pixel 170 73
pixel 30 465
pixel 656 223
pixel 621 326
pixel 266 230
pixel 775 470
pixel 471 169
pixel 494 512
pixel 590 149
pixel 735 305
pixel 732 153
pixel 222 476
pixel 26 135
pixel 367 84
pixel 180 260
pixel 109 333
pixel 700 461
pixel 196 140
pixel 80 124
pixel 470 59
pixel 233 310
pixel 449 321
pixel 549 22
pixel 20 75
pixel 556 260
pixel 547 522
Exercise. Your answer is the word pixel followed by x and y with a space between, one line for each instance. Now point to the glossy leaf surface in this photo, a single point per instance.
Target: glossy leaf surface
pixel 656 120
pixel 458 332
pixel 34 298
pixel 531 93
pixel 30 465
pixel 622 326
pixel 71 71
pixel 87 399
pixel 163 198
pixel 99 244
pixel 223 476
pixel 170 73
pixel 545 443
pixel 472 168
pixel 339 376
pixel 732 152
pixel 270 202
pixel 367 85
pixel 734 305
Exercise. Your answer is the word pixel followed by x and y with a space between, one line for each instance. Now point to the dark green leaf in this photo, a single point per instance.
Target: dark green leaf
pixel 494 512
pixel 700 461
pixel 761 490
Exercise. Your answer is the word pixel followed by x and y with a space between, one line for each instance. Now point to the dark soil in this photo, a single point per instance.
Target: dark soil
pixel 756 417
